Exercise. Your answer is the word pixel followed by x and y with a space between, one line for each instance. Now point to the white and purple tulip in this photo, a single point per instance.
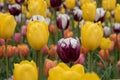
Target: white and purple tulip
pixel 14 9
pixel 100 14
pixel 19 1
pixel 68 49
pixel 77 13
pixel 107 31
pixel 116 28
pixel 63 21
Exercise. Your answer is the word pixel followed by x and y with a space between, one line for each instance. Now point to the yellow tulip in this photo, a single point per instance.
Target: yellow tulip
pixel 1 1
pixel 7 25
pixel 25 71
pixel 84 1
pixel 70 4
pixel 117 13
pixel 90 76
pixel 63 72
pixel 108 4
pixel 37 34
pixel 89 11
pixel 48 3
pixel 107 15
pixel 11 1
pixel 36 7
pixel 105 43
pixel 91 35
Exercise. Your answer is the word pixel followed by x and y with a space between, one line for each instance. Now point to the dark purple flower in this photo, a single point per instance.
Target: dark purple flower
pixel 63 21
pixel 68 49
pixel 14 9
pixel 116 28
pixel 77 14
pixel 107 31
pixel 100 14
pixel 55 3
pixel 1 6
pixel 19 1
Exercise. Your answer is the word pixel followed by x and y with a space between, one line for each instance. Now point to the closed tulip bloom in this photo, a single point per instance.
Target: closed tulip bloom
pixel 89 9
pixel 116 28
pixel 35 31
pixel 1 1
pixel 77 14
pixel 55 3
pixel 33 8
pixel 63 72
pixel 84 1
pixel 25 70
pixel 68 49
pixel 7 25
pixel 100 15
pixel 116 13
pixel 70 4
pixel 19 1
pixel 107 31
pixel 91 35
pixel 11 1
pixel 105 43
pixel 90 76
pixel 108 4
pixel 17 37
pixel 63 21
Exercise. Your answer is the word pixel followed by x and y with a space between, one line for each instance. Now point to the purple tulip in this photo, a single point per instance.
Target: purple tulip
pixel 77 14
pixel 19 1
pixel 17 37
pixel 1 6
pixel 55 3
pixel 14 9
pixel 68 49
pixel 107 31
pixel 100 15
pixel 63 21
pixel 116 28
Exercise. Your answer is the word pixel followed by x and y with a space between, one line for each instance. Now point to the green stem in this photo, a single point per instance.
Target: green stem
pixel 6 57
pixel 37 62
pixel 90 62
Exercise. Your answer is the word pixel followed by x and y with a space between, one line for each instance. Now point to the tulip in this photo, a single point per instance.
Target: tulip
pixel 100 15
pixel 118 67
pixel 1 6
pixel 77 14
pixel 104 54
pixel 52 51
pixel 2 41
pixel 89 9
pixel 17 37
pixel 24 30
pixel 68 33
pixel 19 1
pixel 49 64
pixel 84 50
pixel 45 50
pixel 55 3
pixel 23 50
pixel 63 21
pixel 80 60
pixel 68 49
pixel 107 15
pixel 35 31
pixel 25 70
pixel 90 76
pixel 105 43
pixel 52 29
pixel 108 4
pixel 91 35
pixel 1 1
pixel 70 4
pixel 33 8
pixel 107 31
pixel 11 1
pixel 7 26
pixel 84 2
pixel 116 13
pixel 14 9
pixel 116 28
pixel 63 72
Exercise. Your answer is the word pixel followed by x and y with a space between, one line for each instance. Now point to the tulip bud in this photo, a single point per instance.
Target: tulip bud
pixel 55 3
pixel 77 14
pixel 100 15
pixel 52 29
pixel 1 52
pixel 45 50
pixel 80 60
pixel 11 50
pixel 1 5
pixel 14 9
pixel 104 54
pixel 63 21
pixel 19 1
pixel 17 37
pixel 116 28
pixel 107 31
pixel 24 30
pixel 23 50
pixel 2 41
pixel 84 50
pixel 116 13
pixel 48 65
pixel 70 4
pixel 118 67
pixel 68 33
pixel 68 49
pixel 52 51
